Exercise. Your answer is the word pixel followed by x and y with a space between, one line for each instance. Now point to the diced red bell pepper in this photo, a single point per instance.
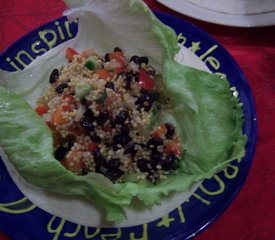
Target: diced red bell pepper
pixel 118 54
pixel 74 162
pixel 160 131
pixel 51 126
pixel 69 100
pixel 42 110
pixel 120 59
pixel 107 129
pixel 92 146
pixel 110 99
pixel 173 147
pixel 70 54
pixel 88 53
pixel 103 73
pixel 84 54
pixel 122 66
pixel 58 117
pixel 145 81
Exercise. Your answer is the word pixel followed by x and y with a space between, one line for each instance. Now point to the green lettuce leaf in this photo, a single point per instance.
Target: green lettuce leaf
pixel 205 112
pixel 28 143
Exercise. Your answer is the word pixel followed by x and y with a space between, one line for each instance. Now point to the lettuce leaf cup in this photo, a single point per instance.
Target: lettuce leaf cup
pixel 206 114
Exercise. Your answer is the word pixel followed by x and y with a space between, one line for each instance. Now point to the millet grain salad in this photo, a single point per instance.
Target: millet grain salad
pixel 103 113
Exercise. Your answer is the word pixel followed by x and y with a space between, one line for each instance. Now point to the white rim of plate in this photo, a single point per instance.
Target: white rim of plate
pixel 207 15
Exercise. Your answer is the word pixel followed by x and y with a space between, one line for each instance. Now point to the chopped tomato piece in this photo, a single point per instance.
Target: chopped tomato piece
pixel 121 66
pixel 145 81
pixel 76 130
pixel 107 129
pixel 74 162
pixel 92 146
pixel 120 60
pixel 51 126
pixel 173 147
pixel 103 73
pixel 99 107
pixel 84 54
pixel 160 131
pixel 88 53
pixel 69 101
pixel 117 54
pixel 66 105
pixel 58 116
pixel 42 110
pixel 109 100
pixel 70 54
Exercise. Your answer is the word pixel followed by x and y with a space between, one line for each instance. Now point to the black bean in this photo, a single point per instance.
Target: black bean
pixel 125 139
pixel 122 117
pixel 136 76
pixel 97 153
pixel 112 121
pixel 110 85
pixel 154 96
pixel 132 148
pixel 155 158
pixel 170 130
pixel 100 161
pixel 117 138
pixel 60 153
pixel 143 165
pixel 125 129
pixel 135 59
pixel 54 76
pixel 114 163
pixel 70 144
pixel 127 84
pixel 169 162
pixel 156 155
pixel 117 49
pixel 95 138
pixel 129 78
pixel 175 166
pixel 122 139
pixel 154 163
pixel 107 57
pixel 121 74
pixel 98 169
pixel 88 113
pixel 84 102
pixel 145 100
pixel 154 142
pixel 87 123
pixel 114 174
pixel 84 172
pixel 144 60
pixel 59 89
pixel 116 147
pixel 102 117
pixel 152 72
pixel 148 96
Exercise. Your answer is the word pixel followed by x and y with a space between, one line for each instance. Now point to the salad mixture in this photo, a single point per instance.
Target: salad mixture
pixel 103 112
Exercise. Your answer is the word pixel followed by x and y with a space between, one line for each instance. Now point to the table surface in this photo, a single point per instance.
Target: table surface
pixel 252 214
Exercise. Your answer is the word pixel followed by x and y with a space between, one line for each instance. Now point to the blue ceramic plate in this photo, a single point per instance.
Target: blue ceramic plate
pixel 22 220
